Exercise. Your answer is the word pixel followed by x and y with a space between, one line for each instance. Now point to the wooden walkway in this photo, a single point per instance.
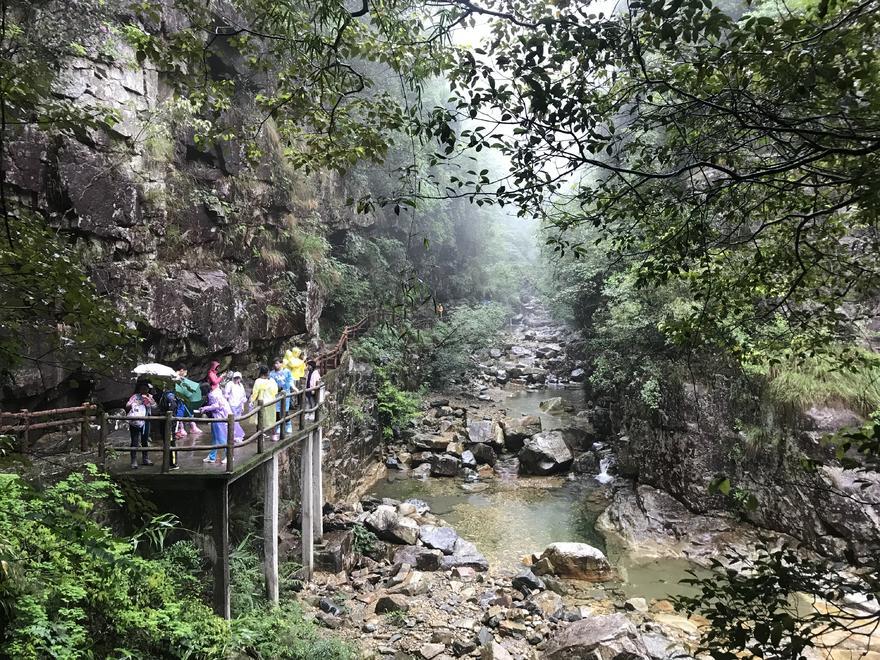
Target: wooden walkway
pixel 210 482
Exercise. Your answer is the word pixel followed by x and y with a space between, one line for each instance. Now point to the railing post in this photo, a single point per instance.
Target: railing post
pixel 283 415
pixel 230 442
pixel 26 436
pixel 84 429
pixel 301 403
pixel 166 441
pixel 261 427
pixel 102 439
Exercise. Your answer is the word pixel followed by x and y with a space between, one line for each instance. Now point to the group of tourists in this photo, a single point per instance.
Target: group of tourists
pixel 218 397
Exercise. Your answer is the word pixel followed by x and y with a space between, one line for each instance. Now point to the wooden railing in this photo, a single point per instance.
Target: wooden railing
pixel 22 424
pixel 330 359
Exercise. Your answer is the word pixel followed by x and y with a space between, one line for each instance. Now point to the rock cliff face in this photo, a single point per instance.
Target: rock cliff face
pixel 700 435
pixel 209 252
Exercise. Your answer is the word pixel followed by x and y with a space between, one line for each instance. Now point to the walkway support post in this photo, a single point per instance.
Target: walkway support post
pixel 221 544
pixel 167 431
pixel 317 482
pixel 102 440
pixel 230 443
pixel 270 528
pixel 308 539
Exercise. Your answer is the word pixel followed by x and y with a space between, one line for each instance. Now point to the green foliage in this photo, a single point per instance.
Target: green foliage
pixel 365 541
pixel 281 633
pixel 762 607
pixel 395 407
pixel 47 301
pixel 72 589
pixel 756 194
pixel 826 380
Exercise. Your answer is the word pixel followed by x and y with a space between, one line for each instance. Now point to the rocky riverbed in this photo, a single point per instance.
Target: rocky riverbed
pixel 498 532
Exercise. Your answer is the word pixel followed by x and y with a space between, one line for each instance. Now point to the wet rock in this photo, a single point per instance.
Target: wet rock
pixel 422 471
pixel 577 376
pixel 545 453
pixel 465 553
pixel 455 448
pixel 495 353
pixel 421 506
pixel 439 538
pixel 610 637
pixel 392 463
pixel 485 431
pixel 484 454
pixel 586 463
pixel 445 465
pixel 423 559
pixel 579 561
pixel 388 525
pixel 468 460
pixel 420 457
pixel 517 431
pixel 526 581
pixel 501 376
pixel 391 603
pixel 555 405
pixel 438 403
pixel 636 605
pixel 535 375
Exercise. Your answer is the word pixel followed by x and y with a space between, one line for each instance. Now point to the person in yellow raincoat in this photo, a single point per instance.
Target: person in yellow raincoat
pixel 294 362
pixel 264 392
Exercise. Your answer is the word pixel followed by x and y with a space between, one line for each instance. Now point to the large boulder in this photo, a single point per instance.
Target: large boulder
pixel 579 561
pixel 484 454
pixel 444 465
pixel 517 431
pixel 545 453
pixel 465 553
pixel 430 442
pixel 610 637
pixel 421 558
pixel 388 525
pixel 485 431
pixel 439 538
pixel 555 405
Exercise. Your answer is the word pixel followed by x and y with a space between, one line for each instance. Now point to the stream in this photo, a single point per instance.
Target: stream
pixel 510 516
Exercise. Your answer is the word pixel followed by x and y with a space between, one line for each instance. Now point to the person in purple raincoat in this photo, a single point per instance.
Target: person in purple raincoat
pixel 235 395
pixel 219 410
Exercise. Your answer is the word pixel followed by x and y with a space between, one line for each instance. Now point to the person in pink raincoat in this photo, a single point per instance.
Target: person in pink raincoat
pixel 235 395
pixel 213 377
pixel 219 410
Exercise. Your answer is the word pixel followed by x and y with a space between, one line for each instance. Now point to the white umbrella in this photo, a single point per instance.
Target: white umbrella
pixel 154 369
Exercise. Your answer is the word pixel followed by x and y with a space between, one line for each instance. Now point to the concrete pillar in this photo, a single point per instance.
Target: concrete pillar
pixel 221 544
pixel 270 528
pixel 317 485
pixel 308 539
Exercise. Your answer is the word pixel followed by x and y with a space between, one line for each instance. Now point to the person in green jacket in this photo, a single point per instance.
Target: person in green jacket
pixel 189 397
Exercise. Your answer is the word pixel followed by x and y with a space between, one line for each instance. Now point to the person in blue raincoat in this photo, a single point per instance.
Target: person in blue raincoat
pixel 284 379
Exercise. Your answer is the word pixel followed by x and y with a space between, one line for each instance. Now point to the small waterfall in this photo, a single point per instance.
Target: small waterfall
pixel 603 477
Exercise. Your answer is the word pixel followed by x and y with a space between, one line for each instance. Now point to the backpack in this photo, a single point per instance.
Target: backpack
pixel 138 409
pixel 168 403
